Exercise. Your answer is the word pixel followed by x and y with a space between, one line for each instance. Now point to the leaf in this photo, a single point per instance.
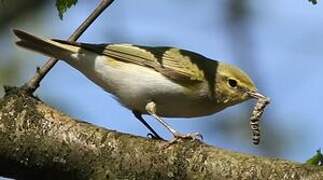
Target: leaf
pixel 63 5
pixel 317 159
pixel 313 1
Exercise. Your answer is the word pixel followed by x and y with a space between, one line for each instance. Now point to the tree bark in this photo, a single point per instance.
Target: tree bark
pixel 37 141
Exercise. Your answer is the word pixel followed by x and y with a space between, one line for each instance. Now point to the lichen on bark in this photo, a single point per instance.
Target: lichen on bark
pixel 37 141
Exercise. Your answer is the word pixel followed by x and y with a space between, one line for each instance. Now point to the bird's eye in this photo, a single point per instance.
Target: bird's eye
pixel 232 83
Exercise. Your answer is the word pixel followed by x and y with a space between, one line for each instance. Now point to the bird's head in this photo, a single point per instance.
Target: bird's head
pixel 233 86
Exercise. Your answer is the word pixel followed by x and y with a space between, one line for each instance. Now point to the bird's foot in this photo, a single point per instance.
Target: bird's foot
pixel 155 137
pixel 180 137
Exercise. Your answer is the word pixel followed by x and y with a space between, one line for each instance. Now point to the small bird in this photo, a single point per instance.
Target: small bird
pixel 159 81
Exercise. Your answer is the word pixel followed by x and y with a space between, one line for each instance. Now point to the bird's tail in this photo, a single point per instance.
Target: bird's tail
pixel 51 48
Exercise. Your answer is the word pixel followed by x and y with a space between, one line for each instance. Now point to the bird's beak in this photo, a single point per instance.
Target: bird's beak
pixel 257 95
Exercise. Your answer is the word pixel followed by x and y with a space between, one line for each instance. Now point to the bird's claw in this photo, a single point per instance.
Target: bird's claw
pixel 151 136
pixel 193 136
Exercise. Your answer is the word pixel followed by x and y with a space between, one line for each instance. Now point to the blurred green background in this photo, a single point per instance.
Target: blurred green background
pixel 279 43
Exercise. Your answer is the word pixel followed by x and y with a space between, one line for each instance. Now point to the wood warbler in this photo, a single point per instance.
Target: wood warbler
pixel 160 81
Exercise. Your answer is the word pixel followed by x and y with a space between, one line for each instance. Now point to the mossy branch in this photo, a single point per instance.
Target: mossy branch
pixel 38 142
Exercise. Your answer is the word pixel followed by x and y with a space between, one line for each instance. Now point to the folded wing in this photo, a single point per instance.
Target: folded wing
pixel 175 64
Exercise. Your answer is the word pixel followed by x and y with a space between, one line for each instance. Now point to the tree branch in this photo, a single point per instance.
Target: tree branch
pixel 31 86
pixel 38 141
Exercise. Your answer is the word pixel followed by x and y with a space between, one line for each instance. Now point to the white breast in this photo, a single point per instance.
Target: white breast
pixel 135 86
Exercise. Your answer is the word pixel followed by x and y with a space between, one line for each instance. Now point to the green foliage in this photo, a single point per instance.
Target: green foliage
pixel 317 159
pixel 63 5
pixel 313 1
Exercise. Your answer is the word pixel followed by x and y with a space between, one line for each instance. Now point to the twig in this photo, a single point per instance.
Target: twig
pixel 31 86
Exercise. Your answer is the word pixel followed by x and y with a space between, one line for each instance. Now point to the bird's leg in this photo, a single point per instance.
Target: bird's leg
pixel 153 133
pixel 151 109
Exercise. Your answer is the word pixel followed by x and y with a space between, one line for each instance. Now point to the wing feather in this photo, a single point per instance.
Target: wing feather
pixel 175 64
pixel 166 60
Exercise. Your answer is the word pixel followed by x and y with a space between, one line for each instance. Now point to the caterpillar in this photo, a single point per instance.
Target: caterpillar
pixel 255 118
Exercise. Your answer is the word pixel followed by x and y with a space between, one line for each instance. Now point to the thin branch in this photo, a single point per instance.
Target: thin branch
pixel 31 86
pixel 38 142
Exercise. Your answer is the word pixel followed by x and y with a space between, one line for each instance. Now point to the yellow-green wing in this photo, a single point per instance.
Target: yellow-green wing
pixel 173 63
pixel 176 64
